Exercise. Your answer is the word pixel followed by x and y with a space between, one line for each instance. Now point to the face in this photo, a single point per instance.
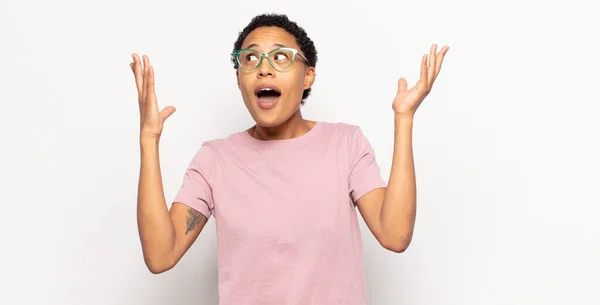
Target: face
pixel 270 110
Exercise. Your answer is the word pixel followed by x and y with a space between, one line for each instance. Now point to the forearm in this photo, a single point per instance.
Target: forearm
pixel 399 204
pixel 157 233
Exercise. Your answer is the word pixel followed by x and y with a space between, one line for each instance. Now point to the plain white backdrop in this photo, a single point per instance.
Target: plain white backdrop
pixel 506 145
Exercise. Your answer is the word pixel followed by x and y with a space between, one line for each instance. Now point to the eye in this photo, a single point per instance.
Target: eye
pixel 280 56
pixel 251 57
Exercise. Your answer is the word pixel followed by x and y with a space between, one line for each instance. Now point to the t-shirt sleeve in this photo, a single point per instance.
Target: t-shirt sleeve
pixel 365 174
pixel 196 190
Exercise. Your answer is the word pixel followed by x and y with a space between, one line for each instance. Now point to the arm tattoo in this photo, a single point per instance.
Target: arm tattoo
pixel 193 220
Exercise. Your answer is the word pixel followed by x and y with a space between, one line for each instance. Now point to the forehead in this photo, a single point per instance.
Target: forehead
pixel 265 38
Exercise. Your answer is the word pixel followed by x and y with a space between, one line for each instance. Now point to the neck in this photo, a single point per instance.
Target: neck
pixel 294 127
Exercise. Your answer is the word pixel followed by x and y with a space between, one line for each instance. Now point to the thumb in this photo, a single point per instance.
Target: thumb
pixel 402 84
pixel 166 112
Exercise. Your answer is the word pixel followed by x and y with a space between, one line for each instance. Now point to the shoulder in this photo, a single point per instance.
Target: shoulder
pixel 224 143
pixel 340 128
pixel 348 134
pixel 351 138
pixel 209 150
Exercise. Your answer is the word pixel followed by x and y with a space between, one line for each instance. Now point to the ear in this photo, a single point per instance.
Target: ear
pixel 309 77
pixel 237 78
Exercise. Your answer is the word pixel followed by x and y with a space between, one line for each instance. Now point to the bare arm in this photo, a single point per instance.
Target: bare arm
pixel 165 234
pixel 390 213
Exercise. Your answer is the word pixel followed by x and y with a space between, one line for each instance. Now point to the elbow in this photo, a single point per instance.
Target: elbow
pixel 158 265
pixel 397 245
pixel 397 248
pixel 154 269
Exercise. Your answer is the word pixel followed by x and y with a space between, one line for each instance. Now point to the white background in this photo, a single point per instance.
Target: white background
pixel 506 145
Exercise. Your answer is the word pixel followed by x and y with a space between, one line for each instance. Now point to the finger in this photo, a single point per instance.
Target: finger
pixel 137 72
pixel 402 85
pixel 439 60
pixel 132 67
pixel 152 102
pixel 423 79
pixel 431 65
pixel 150 95
pixel 150 89
pixel 167 112
pixel 145 79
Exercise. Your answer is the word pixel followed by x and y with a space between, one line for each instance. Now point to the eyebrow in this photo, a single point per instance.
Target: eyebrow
pixel 276 45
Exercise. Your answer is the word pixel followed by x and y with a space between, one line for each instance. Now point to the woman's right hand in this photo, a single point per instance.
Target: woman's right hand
pixel 151 120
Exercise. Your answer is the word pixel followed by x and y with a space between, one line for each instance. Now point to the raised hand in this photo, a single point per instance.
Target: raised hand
pixel 151 120
pixel 406 101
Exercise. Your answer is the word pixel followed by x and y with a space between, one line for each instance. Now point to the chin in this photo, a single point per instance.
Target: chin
pixel 271 117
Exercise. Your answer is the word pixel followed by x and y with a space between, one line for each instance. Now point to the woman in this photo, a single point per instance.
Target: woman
pixel 284 192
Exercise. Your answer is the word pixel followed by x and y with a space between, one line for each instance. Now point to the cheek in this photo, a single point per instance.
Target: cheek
pixel 244 84
pixel 296 81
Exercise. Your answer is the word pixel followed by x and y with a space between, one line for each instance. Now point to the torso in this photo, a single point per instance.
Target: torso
pixel 287 228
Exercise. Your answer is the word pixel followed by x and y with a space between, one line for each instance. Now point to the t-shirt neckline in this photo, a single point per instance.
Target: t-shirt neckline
pixel 283 143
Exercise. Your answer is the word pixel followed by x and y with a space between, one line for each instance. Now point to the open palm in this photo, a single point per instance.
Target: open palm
pixel 407 101
pixel 151 120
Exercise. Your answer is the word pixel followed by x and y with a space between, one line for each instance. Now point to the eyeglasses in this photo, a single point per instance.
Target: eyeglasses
pixel 280 58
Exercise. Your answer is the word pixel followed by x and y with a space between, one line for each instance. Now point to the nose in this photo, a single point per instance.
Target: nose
pixel 265 69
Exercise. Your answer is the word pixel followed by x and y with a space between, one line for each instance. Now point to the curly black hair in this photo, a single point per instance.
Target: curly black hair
pixel 307 46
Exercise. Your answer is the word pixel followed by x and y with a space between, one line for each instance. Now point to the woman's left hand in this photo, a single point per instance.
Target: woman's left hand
pixel 406 101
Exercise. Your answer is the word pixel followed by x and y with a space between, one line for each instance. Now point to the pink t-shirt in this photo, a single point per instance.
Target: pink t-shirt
pixel 286 221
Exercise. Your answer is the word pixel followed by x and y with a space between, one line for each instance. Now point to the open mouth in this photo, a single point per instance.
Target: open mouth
pixel 267 95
